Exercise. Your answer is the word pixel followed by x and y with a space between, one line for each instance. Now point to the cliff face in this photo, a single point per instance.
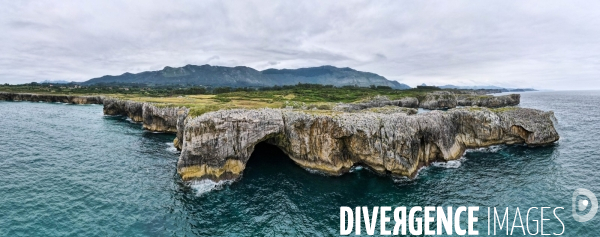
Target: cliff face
pixel 181 121
pixel 162 119
pixel 153 118
pixel 51 98
pixel 159 119
pixel 131 109
pixel 218 145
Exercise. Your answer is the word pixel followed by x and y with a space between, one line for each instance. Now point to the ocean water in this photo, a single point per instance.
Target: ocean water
pixel 67 170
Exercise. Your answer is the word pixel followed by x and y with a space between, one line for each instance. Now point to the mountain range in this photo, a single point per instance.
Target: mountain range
pixel 486 88
pixel 220 76
pixel 55 82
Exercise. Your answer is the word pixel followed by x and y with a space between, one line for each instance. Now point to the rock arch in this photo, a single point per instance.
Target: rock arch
pixel 218 145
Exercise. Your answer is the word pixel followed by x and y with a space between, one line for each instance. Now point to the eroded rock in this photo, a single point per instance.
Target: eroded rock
pixel 439 100
pixel 379 101
pixel 131 109
pixel 162 119
pixel 389 139
pixel 217 145
pixel 153 118
pixel 69 99
pixel 489 100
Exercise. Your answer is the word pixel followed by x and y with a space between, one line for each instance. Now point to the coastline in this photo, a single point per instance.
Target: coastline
pixel 217 145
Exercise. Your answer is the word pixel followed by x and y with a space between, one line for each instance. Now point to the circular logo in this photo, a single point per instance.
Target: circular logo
pixel 581 205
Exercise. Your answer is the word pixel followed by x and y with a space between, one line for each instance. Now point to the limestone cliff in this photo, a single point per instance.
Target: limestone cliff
pixel 379 134
pixel 69 99
pixel 489 100
pixel 153 118
pixel 379 101
pixel 181 120
pixel 217 145
pixel 439 100
pixel 162 119
pixel 448 100
pixel 131 109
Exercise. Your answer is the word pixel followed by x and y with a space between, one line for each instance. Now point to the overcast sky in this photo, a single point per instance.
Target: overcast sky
pixel 505 43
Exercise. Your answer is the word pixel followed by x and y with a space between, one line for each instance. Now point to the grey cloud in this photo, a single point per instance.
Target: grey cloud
pixel 539 44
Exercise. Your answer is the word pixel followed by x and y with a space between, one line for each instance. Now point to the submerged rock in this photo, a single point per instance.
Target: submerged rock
pixel 217 145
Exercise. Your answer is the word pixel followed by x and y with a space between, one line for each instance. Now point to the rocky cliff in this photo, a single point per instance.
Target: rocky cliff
pixel 133 110
pixel 439 100
pixel 153 118
pixel 448 100
pixel 434 100
pixel 163 119
pixel 379 101
pixel 217 145
pixel 378 133
pixel 488 100
pixel 70 99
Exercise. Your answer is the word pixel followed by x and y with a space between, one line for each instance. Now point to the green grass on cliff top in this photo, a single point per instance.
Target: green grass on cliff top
pixel 201 100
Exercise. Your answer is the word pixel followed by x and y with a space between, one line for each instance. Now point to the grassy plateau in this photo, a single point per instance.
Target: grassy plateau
pixel 200 100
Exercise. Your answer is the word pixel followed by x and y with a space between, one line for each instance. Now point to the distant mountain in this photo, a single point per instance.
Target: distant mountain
pixel 471 87
pixel 55 82
pixel 218 76
pixel 486 88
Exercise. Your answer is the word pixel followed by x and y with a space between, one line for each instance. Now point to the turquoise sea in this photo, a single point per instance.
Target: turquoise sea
pixel 68 170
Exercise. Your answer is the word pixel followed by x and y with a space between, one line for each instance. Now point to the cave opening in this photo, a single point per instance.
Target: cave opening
pixel 269 158
pixel 268 163
pixel 265 151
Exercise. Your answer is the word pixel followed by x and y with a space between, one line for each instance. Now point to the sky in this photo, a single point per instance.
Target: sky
pixel 539 44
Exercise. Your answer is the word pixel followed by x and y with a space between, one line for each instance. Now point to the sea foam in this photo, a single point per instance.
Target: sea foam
pixel 171 147
pixel 355 168
pixel 452 164
pixel 490 149
pixel 204 186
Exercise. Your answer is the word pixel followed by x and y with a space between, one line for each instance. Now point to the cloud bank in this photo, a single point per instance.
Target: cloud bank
pixel 538 44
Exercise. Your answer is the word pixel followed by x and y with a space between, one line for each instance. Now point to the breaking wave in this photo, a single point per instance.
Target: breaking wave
pixel 452 164
pixel 204 186
pixel 490 149
pixel 171 147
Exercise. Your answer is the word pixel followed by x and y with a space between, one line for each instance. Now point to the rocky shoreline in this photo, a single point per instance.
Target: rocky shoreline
pixel 51 98
pixel 218 145
pixel 448 100
pixel 153 118
pixel 435 100
pixel 381 135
